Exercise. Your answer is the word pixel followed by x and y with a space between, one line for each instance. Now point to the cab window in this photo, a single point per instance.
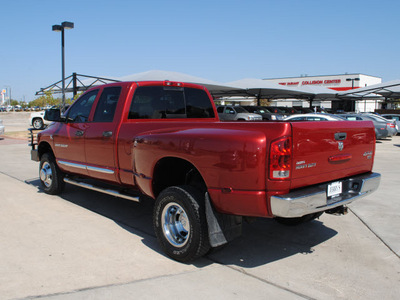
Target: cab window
pixel 160 102
pixel 80 110
pixel 107 104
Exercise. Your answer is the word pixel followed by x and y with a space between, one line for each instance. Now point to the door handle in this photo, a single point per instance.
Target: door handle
pixel 107 133
pixel 340 136
pixel 79 133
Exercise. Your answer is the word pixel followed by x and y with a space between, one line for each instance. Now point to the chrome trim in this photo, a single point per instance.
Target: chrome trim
pixel 73 165
pixel 85 167
pixel 100 170
pixel 314 199
pixel 111 192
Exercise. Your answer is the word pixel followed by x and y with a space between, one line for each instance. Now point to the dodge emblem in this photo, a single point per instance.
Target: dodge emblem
pixel 340 146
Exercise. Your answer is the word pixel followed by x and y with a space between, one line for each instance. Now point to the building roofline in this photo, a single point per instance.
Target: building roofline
pixel 346 74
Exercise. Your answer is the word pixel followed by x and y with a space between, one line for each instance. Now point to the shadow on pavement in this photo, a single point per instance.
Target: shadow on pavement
pixel 266 241
pixel 262 242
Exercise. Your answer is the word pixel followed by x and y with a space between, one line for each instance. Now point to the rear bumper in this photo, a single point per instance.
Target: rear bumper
pixel 314 199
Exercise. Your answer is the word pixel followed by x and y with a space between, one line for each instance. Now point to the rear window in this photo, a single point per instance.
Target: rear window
pixel 159 102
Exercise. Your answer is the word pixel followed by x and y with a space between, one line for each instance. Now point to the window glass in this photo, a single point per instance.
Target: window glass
pixel 352 118
pixel 198 104
pixel 220 110
pixel 107 104
pixel 240 110
pixel 229 110
pixel 158 102
pixel 80 110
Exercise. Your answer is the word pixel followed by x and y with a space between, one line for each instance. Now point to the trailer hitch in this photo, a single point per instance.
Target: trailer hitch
pixel 337 211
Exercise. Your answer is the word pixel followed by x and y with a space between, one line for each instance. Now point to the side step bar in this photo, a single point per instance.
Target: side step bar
pixel 114 193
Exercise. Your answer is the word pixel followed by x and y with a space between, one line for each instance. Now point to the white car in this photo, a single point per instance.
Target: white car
pixel 314 117
pixel 236 113
pixel 1 128
pixel 37 120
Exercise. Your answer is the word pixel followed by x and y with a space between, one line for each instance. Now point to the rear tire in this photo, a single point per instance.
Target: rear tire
pixel 51 178
pixel 180 223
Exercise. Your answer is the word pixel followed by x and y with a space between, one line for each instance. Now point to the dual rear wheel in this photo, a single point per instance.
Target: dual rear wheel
pixel 180 223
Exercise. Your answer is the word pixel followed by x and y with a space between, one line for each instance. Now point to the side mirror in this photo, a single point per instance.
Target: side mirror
pixel 53 114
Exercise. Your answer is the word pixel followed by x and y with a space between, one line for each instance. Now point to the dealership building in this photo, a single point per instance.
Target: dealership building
pixel 340 83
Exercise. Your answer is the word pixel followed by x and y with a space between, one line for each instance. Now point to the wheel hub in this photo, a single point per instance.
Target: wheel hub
pixel 46 175
pixel 175 224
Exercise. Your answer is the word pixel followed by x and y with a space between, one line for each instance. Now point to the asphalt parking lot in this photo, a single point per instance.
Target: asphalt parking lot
pixel 86 245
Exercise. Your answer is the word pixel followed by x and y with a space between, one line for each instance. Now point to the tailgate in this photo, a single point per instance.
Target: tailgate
pixel 329 150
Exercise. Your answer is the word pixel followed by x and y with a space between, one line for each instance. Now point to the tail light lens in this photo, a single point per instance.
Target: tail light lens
pixel 390 125
pixel 280 158
pixel 173 83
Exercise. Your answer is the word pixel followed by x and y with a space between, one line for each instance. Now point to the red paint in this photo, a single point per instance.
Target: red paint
pixel 237 160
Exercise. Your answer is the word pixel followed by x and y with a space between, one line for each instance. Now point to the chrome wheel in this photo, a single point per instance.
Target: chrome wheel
pixel 175 224
pixel 46 175
pixel 37 123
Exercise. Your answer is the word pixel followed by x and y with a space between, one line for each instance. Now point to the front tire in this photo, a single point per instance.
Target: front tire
pixel 38 123
pixel 51 178
pixel 180 223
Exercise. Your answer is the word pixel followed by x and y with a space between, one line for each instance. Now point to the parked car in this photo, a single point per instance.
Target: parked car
pixel 305 110
pixel 236 113
pixel 37 120
pixel 395 117
pixel 381 130
pixel 391 124
pixel 264 112
pixel 284 111
pixel 314 117
pixel 2 129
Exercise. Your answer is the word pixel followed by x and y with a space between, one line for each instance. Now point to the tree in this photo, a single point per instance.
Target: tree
pixel 13 102
pixel 44 100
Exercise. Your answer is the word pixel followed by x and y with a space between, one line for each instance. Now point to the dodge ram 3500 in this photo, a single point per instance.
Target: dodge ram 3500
pixel 163 140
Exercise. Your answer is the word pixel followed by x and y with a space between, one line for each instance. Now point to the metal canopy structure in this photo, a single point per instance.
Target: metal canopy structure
pixel 267 90
pixel 258 88
pixel 76 83
pixel 389 89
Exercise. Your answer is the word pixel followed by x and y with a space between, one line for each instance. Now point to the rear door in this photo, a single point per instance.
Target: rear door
pixel 101 134
pixel 325 151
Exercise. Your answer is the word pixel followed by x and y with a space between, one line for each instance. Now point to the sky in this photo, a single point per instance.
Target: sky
pixel 214 39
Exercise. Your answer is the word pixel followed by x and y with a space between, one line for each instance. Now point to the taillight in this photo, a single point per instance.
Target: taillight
pixel 280 157
pixel 390 125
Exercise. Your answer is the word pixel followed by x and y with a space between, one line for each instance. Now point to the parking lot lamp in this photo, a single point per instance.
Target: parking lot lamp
pixel 352 81
pixel 61 28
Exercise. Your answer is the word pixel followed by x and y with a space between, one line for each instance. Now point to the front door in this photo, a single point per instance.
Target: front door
pixel 69 138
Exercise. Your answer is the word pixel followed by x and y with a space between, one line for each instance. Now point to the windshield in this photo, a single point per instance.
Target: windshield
pixel 378 118
pixel 240 110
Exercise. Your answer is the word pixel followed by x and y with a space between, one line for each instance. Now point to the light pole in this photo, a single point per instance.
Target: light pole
pixel 353 103
pixel 61 28
pixel 352 81
pixel 9 95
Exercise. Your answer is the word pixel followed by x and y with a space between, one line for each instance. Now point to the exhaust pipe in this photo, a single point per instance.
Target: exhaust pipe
pixel 337 211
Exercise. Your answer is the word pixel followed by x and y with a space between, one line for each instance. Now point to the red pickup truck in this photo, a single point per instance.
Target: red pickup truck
pixel 164 140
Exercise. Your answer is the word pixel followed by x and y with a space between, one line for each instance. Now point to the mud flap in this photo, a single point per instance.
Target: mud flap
pixel 222 228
